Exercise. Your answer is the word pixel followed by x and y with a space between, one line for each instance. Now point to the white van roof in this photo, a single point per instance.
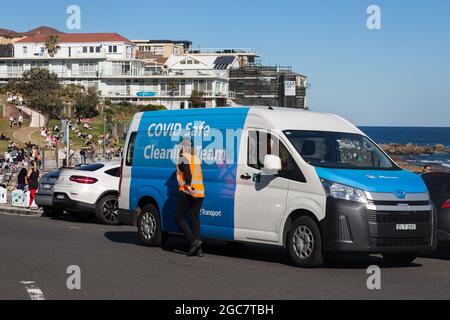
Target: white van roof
pixel 275 118
pixel 299 119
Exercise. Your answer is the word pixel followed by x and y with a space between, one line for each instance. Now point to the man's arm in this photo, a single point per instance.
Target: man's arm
pixel 185 168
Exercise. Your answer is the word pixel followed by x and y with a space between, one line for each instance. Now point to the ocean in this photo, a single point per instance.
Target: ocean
pixel 429 136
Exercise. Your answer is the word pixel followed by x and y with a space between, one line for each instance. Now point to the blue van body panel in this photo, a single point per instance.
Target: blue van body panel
pixel 156 176
pixel 383 181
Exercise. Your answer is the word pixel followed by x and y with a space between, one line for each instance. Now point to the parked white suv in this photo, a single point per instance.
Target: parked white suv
pixel 88 190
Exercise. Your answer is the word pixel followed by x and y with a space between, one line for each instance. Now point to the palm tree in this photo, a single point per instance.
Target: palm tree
pixel 51 44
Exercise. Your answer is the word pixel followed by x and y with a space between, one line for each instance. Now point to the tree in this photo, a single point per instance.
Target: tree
pixel 41 89
pixel 52 44
pixel 70 93
pixel 86 104
pixel 197 100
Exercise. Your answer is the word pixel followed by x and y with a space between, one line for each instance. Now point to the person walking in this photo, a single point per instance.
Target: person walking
pixel 20 120
pixel 190 196
pixel 33 180
pixel 11 120
pixel 22 179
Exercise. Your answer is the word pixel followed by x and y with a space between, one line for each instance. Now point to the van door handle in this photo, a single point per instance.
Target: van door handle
pixel 246 177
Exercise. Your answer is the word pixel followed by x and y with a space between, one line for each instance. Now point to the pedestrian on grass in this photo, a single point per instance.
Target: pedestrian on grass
pixel 20 120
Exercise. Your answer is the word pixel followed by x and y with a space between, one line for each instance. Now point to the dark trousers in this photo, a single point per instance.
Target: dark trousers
pixel 191 206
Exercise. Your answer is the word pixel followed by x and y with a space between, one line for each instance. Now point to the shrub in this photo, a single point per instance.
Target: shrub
pixel 152 107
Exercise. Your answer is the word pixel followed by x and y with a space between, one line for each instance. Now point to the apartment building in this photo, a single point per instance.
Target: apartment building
pixel 108 63
pixel 160 72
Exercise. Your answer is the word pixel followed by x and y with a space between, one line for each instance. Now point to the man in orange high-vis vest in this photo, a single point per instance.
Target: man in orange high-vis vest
pixel 190 196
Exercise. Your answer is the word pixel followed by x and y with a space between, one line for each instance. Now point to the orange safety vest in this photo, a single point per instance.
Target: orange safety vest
pixel 197 185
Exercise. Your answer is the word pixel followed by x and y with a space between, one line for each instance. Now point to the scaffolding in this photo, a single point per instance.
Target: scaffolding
pixel 266 85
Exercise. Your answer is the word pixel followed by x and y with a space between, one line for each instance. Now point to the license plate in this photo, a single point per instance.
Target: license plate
pixel 47 186
pixel 60 196
pixel 406 227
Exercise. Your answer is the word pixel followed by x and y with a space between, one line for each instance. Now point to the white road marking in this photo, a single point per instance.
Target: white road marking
pixel 33 290
pixel 72 227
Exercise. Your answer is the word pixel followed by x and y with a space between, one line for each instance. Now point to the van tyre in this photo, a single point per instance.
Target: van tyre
pixel 107 210
pixel 399 259
pixel 304 243
pixel 149 226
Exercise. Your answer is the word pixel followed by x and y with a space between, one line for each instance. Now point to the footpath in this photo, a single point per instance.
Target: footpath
pixel 9 209
pixel 23 135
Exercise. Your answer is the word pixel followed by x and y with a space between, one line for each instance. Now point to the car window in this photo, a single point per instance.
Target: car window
pixel 114 172
pixel 437 182
pixel 52 175
pixel 91 167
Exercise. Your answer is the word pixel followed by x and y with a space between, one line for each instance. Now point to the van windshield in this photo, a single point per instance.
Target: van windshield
pixel 339 150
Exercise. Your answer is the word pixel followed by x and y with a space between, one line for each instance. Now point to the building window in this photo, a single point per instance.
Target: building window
pixel 158 50
pixel 112 49
pixel 70 52
pixel 91 49
pixel 85 49
pixel 25 50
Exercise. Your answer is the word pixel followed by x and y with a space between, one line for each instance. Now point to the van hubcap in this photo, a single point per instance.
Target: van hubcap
pixel 303 242
pixel 148 225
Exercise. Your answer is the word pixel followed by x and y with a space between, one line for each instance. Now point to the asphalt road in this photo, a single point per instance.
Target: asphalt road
pixel 115 266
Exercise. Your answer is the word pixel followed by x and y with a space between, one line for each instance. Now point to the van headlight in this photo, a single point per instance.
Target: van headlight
pixel 343 192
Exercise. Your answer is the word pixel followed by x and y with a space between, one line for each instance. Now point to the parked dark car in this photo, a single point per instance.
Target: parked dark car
pixel 438 184
pixel 44 195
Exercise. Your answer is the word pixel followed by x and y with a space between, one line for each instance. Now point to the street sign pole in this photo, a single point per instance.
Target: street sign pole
pixel 68 144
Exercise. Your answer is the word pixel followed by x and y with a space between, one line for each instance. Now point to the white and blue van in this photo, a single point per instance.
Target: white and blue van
pixel 311 182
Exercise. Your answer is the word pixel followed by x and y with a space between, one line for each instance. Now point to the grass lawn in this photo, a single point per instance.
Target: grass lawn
pixel 96 123
pixel 7 131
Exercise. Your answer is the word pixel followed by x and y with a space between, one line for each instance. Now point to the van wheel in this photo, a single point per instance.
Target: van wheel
pixel 107 210
pixel 305 243
pixel 399 259
pixel 149 226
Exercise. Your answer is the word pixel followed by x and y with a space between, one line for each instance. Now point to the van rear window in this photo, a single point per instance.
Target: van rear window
pixel 91 167
pixel 130 150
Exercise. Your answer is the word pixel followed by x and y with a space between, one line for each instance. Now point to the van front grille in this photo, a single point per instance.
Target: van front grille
pixel 400 242
pixel 399 216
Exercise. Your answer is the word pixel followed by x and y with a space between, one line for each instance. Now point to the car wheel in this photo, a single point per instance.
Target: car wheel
pixel 108 210
pixel 400 259
pixel 305 243
pixel 149 226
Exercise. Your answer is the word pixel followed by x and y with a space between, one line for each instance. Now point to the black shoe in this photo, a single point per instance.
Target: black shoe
pixel 195 246
pixel 199 253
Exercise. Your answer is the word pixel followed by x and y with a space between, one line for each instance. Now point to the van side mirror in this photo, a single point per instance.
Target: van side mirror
pixel 272 164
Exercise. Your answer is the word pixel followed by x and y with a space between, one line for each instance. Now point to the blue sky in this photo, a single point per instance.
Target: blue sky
pixel 399 75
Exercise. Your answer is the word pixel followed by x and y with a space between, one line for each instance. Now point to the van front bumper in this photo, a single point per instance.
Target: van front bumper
pixel 350 227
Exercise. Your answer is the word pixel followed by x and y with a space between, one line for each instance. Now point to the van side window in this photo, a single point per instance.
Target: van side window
pixel 290 169
pixel 130 150
pixel 253 160
pixel 260 144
